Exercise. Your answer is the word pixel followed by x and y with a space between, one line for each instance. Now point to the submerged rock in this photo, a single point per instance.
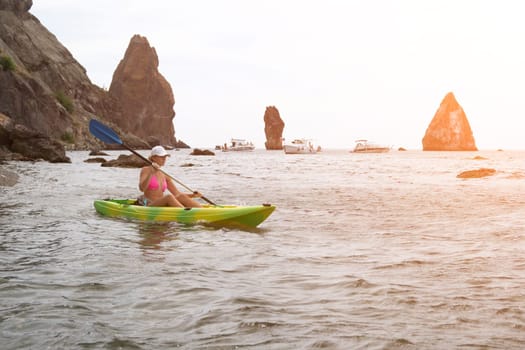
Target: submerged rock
pixel 97 152
pixel 482 172
pixel 449 130
pixel 8 178
pixel 95 160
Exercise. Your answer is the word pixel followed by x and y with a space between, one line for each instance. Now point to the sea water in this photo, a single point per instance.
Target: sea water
pixel 380 251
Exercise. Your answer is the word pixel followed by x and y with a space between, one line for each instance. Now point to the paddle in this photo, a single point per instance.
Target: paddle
pixel 107 135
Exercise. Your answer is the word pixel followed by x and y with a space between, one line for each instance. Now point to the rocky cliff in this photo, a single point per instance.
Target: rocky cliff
pixel 46 91
pixel 449 130
pixel 39 78
pixel 273 128
pixel 146 95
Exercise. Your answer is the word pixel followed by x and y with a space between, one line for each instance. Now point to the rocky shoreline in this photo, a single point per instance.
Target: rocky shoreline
pixel 47 99
pixel 18 142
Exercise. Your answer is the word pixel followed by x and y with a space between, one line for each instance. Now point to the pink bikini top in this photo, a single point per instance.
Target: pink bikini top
pixel 154 184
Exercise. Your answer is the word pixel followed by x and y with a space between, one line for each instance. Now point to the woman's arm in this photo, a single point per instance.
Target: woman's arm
pixel 145 176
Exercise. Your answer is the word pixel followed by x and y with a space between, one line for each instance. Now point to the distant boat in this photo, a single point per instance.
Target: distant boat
pixel 300 146
pixel 238 145
pixel 363 146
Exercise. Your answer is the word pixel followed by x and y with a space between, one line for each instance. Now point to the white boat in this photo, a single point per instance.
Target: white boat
pixel 300 146
pixel 238 145
pixel 363 146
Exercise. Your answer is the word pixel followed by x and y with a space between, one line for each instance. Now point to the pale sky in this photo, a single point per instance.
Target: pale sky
pixel 336 70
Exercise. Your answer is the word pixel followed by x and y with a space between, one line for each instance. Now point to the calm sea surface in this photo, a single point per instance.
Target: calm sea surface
pixel 364 251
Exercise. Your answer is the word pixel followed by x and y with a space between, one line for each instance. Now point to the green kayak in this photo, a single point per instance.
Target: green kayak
pixel 221 215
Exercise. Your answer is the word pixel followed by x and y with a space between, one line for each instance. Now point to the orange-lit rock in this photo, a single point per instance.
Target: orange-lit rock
pixel 273 128
pixel 482 172
pixel 145 95
pixel 449 130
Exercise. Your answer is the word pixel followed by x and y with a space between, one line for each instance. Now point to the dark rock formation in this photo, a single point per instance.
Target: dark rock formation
pixel 95 160
pixel 18 6
pixel 125 161
pixel 449 130
pixel 146 97
pixel 28 143
pixel 36 145
pixel 44 88
pixel 482 172
pixel 201 152
pixel 181 144
pixel 273 128
pixel 97 152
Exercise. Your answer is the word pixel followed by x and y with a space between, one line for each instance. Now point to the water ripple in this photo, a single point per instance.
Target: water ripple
pixel 389 252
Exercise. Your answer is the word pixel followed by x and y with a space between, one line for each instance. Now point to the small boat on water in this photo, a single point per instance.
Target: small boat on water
pixel 364 146
pixel 238 145
pixel 300 146
pixel 217 215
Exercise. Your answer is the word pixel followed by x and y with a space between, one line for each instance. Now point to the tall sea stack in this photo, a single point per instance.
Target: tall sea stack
pixel 273 128
pixel 145 95
pixel 449 130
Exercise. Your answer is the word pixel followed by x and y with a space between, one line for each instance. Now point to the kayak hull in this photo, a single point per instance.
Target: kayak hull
pixel 227 215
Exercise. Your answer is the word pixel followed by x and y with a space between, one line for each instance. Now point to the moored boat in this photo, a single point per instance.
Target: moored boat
pixel 364 146
pixel 238 145
pixel 223 215
pixel 300 146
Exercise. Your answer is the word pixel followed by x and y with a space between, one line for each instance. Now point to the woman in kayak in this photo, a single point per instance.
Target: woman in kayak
pixel 153 182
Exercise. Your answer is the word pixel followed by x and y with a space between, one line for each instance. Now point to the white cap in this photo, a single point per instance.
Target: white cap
pixel 159 151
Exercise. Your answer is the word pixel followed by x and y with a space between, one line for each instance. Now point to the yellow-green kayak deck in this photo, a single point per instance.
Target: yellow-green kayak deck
pixel 222 215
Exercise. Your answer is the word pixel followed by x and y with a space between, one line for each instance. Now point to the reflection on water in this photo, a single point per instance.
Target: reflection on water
pixel 153 234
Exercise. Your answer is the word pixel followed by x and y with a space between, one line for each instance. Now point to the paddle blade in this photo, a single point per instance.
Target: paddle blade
pixel 103 133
